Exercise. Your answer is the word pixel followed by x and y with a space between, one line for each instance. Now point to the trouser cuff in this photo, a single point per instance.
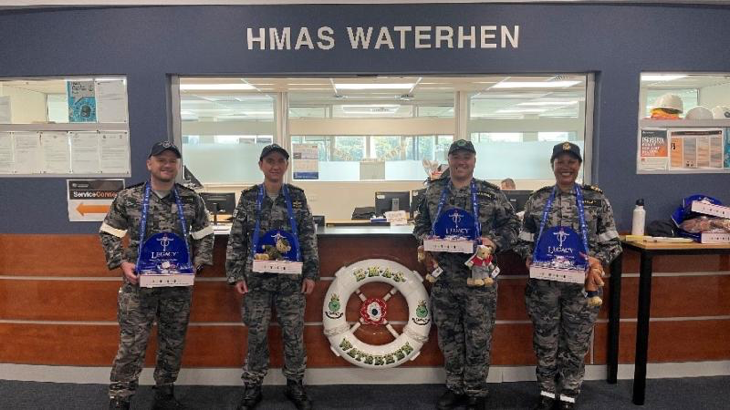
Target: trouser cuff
pixel 547 394
pixel 567 399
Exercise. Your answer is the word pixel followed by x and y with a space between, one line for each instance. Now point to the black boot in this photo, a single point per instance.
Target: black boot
pixel 476 403
pixel 545 403
pixel 118 403
pixel 449 400
pixel 296 394
pixel 165 398
pixel 251 397
pixel 566 405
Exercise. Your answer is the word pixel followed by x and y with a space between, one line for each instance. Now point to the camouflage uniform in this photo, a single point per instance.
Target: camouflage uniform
pixel 562 319
pixel 139 307
pixel 266 289
pixel 464 316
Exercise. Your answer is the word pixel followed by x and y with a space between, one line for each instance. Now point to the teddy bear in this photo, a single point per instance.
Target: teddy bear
pixel 593 282
pixel 274 252
pixel 483 270
pixel 426 258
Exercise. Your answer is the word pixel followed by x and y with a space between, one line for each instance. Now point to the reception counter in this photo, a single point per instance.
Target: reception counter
pixel 58 306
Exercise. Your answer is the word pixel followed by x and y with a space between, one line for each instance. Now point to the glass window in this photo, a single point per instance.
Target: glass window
pixel 705 90
pixel 225 123
pixel 515 121
pixel 63 100
pixel 56 127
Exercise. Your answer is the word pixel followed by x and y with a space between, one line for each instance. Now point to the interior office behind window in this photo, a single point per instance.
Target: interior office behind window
pixel 376 127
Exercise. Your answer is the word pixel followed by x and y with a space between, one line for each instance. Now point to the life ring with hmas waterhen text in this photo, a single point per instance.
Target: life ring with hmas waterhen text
pixel 407 344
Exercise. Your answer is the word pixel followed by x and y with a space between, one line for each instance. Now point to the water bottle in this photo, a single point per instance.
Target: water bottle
pixel 639 219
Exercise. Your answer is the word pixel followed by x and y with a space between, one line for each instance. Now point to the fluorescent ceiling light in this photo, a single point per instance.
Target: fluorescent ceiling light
pixel 550 103
pixel 391 86
pixel 536 84
pixel 522 110
pixel 216 87
pixel 661 77
pixel 371 106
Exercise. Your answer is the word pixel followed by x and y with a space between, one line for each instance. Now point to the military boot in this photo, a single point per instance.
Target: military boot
pixel 545 403
pixel 118 403
pixel 296 394
pixel 251 397
pixel 450 400
pixel 476 403
pixel 165 398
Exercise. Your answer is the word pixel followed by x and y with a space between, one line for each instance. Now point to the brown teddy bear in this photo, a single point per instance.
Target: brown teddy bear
pixel 593 282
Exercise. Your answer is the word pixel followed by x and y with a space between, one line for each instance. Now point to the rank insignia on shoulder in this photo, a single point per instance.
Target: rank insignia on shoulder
pixel 593 188
pixel 296 204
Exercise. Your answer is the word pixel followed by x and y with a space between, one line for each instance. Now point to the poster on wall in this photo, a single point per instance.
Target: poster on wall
pixel 727 148
pixel 683 150
pixel 696 149
pixel 111 101
pixel 89 199
pixel 85 152
pixel 653 150
pixel 56 153
pixel 7 161
pixel 306 161
pixel 81 101
pixel 5 114
pixel 27 152
pixel 114 153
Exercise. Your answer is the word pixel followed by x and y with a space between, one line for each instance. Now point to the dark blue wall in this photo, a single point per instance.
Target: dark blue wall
pixel 148 44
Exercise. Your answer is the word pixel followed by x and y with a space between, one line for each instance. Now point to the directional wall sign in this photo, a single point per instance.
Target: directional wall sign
pixel 89 199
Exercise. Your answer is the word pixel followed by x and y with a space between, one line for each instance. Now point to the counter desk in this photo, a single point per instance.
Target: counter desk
pixel 58 306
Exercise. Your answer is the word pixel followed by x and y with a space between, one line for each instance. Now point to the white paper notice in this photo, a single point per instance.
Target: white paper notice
pixel 111 101
pixel 7 163
pixel 28 159
pixel 5 114
pixel 85 152
pixel 56 153
pixel 306 161
pixel 114 153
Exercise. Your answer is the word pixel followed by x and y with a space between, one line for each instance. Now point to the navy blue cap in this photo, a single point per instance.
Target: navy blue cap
pixel 462 144
pixel 273 148
pixel 162 146
pixel 568 147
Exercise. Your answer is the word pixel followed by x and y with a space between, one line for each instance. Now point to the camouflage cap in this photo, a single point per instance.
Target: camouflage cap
pixel 462 145
pixel 273 148
pixel 162 146
pixel 568 147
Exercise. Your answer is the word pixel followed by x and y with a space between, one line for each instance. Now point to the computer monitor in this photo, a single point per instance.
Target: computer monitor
pixel 517 198
pixel 392 201
pixel 417 196
pixel 219 203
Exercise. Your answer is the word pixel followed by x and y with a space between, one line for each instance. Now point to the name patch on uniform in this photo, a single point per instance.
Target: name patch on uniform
pixel 592 202
pixel 484 194
pixel 187 199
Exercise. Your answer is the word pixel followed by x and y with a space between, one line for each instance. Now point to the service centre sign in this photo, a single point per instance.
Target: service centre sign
pixel 89 199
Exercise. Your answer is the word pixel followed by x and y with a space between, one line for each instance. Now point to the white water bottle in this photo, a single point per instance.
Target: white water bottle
pixel 639 218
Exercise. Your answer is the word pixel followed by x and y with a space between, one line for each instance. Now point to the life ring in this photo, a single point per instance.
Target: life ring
pixel 344 343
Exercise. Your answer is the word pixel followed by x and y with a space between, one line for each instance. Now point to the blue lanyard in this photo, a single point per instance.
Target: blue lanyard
pixel 581 217
pixel 474 207
pixel 145 211
pixel 290 212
